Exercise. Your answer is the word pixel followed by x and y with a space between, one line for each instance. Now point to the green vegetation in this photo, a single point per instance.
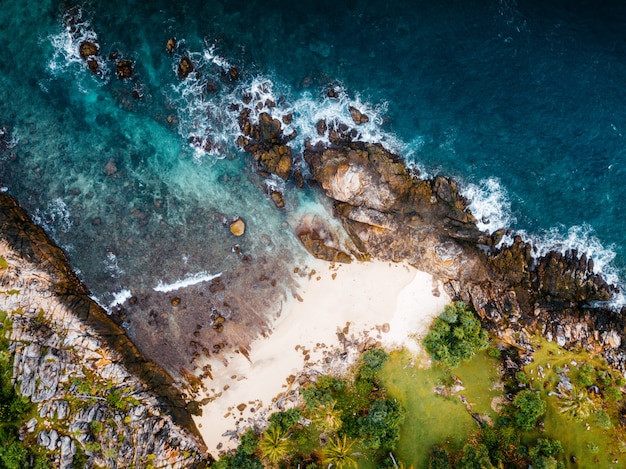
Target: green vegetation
pixel 455 335
pixel 479 406
pixel 15 410
pixel 343 422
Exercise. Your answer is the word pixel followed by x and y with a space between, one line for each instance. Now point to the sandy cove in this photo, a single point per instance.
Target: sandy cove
pixel 336 311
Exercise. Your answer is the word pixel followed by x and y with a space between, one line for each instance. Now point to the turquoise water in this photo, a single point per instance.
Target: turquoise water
pixel 520 101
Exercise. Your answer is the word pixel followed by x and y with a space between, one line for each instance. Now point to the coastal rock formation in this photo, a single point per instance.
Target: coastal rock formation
pixel 266 143
pixel 185 67
pixel 392 214
pixel 99 403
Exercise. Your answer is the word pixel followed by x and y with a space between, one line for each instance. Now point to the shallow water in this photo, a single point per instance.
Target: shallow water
pixel 521 102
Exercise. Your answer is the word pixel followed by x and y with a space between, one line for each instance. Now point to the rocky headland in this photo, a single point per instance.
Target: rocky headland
pixel 388 212
pixel 99 403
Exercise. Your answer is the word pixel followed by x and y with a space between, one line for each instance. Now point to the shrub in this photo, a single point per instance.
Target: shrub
pixel 528 407
pixel 286 419
pixel 455 335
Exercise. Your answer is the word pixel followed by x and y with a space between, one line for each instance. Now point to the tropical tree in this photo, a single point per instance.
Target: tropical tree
pixel 326 417
pixel 576 404
pixel 338 453
pixel 274 444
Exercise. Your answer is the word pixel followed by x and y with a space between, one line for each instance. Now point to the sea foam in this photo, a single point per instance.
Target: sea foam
pixel 490 204
pixel 189 280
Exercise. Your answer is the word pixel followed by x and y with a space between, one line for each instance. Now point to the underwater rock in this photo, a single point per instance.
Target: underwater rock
pixel 238 227
pixel 185 67
pixel 111 167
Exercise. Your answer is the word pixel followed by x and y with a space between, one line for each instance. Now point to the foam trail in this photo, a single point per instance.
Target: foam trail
pixel 189 280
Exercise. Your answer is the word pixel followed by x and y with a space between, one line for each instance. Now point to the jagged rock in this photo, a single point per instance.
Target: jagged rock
pixel 357 116
pixel 392 214
pixel 266 143
pixel 185 67
pixel 60 336
pixel 321 127
pixel 31 425
pixel 277 198
pixel 124 69
pixel 319 240
pixel 88 49
pixel 68 449
pixel 171 45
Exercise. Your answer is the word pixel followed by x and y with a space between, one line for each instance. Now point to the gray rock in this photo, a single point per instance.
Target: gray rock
pixel 68 449
pixel 31 425
pixel 43 439
pixel 54 439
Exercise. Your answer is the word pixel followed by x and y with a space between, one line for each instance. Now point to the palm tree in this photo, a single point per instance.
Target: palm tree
pixel 274 444
pixel 338 453
pixel 576 404
pixel 327 418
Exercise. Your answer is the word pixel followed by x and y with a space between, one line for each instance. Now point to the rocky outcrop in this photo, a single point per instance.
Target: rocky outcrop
pixel 392 214
pixel 98 400
pixel 265 141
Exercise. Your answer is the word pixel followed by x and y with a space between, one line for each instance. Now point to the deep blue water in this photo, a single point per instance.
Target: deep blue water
pixel 523 102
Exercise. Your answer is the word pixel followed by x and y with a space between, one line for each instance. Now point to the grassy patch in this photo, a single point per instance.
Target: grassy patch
pixel 432 418
pixel 590 438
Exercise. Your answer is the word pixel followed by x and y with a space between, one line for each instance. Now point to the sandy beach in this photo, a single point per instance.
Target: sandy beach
pixel 337 310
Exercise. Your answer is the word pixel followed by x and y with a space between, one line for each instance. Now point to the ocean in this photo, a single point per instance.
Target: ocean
pixel 138 178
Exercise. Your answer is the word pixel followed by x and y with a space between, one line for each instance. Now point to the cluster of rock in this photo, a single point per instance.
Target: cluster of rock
pixel 388 212
pixel 96 397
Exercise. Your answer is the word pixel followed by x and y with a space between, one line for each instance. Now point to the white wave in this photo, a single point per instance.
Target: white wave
pixel 582 239
pixel 490 204
pixel 205 119
pixel 189 280
pixel 120 297
pixel 111 265
pixel 55 217
pixel 208 119
pixel 66 46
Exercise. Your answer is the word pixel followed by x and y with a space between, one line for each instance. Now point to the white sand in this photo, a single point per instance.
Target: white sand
pixel 372 297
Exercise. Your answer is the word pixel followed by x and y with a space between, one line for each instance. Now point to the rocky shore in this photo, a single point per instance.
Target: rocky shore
pixel 389 212
pixel 98 401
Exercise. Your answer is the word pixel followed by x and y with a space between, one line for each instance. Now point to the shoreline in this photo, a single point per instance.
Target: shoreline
pixel 338 311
